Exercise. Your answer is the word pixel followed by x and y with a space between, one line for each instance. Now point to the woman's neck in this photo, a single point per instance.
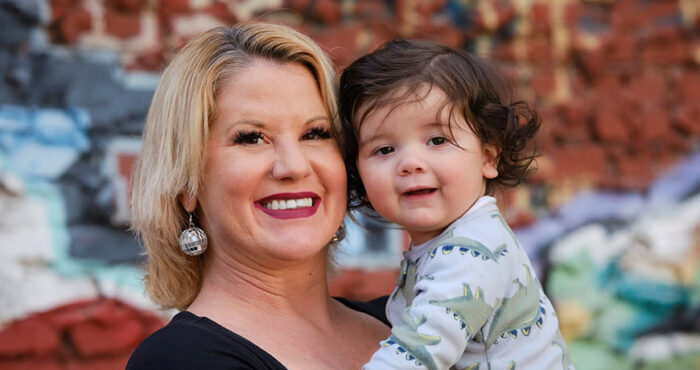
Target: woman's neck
pixel 254 288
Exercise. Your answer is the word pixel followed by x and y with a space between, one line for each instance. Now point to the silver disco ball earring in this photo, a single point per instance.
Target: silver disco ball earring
pixel 193 241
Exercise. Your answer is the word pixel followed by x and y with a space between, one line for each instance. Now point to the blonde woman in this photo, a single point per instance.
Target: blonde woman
pixel 239 151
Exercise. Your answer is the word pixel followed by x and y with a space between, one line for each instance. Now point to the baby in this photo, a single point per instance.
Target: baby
pixel 429 133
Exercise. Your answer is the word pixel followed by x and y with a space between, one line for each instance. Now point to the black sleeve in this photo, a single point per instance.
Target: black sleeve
pixel 198 343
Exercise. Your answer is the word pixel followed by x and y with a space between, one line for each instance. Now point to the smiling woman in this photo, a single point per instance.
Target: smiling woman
pixel 241 134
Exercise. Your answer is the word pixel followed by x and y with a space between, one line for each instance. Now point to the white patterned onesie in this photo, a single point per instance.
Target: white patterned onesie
pixel 469 299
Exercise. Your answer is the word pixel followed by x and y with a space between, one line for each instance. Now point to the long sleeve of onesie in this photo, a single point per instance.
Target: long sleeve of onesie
pixel 461 293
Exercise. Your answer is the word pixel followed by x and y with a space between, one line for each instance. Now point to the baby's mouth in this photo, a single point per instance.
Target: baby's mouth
pixel 421 191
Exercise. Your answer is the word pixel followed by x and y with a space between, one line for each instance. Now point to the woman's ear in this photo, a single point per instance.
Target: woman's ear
pixel 188 202
pixel 490 165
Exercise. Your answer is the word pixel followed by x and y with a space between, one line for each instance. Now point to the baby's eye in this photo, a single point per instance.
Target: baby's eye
pixel 249 137
pixel 317 133
pixel 438 140
pixel 384 150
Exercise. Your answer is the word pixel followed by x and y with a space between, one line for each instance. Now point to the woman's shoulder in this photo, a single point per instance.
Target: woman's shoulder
pixel 192 342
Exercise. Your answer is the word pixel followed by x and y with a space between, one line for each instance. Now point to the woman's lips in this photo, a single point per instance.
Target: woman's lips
pixel 289 205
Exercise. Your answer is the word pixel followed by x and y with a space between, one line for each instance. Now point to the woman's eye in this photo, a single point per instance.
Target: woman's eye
pixel 384 150
pixel 438 140
pixel 317 133
pixel 249 137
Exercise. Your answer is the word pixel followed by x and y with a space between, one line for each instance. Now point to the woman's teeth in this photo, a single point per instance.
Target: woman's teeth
pixel 289 203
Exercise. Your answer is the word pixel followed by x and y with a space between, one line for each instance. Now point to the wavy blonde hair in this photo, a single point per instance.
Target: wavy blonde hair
pixel 172 157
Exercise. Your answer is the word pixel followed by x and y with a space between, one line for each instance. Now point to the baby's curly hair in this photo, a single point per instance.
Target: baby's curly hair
pixel 393 74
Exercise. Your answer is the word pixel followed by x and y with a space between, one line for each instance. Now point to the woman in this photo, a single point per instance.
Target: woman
pixel 240 139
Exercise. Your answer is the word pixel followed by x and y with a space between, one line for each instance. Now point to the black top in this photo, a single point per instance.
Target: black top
pixel 192 342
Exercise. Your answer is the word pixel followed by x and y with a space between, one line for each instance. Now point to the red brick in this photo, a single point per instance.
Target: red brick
pixel 540 20
pixel 634 173
pixel 444 33
pixel 363 284
pixel 111 312
pixel 572 14
pixel 298 5
pixel 688 118
pixel 653 124
pixel 673 51
pixel 125 6
pixel 429 7
pixel 610 124
pixel 77 21
pixel 542 82
pixel 33 363
pixel 571 126
pixel 28 337
pixel 101 363
pixel 580 160
pixel 662 9
pixel 153 60
pixel 516 214
pixel 539 51
pixel 106 311
pixel 341 43
pixel 622 47
pixel 221 11
pixel 175 6
pixel 504 51
pixel 328 11
pixel 59 8
pixel 122 25
pixel 646 90
pixel 606 89
pixel 94 339
pixel 627 15
pixel 592 61
pixel 370 9
pixel 688 85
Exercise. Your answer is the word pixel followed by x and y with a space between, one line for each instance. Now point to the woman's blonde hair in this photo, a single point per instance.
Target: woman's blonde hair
pixel 172 158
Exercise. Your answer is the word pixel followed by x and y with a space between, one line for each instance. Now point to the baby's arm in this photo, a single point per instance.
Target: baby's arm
pixel 457 292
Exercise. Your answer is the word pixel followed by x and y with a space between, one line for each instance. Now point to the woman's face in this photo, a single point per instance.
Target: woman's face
pixel 274 184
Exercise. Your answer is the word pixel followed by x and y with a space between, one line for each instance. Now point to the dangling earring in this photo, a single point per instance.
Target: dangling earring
pixel 193 241
pixel 339 234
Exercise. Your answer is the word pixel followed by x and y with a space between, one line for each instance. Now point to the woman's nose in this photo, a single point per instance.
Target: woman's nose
pixel 291 162
pixel 410 162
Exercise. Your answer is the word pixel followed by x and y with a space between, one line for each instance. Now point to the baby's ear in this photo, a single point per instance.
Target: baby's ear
pixel 490 165
pixel 188 201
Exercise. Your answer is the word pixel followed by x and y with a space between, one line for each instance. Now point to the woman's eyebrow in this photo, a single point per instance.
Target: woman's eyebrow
pixel 248 121
pixel 317 118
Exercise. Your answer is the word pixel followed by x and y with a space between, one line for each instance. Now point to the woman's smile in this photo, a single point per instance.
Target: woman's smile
pixel 290 205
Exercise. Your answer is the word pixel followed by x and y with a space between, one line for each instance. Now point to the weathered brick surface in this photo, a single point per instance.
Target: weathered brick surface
pixel 617 82
pixel 96 334
pixel 31 337
pixel 122 25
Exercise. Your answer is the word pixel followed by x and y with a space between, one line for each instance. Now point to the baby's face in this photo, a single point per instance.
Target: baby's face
pixel 416 172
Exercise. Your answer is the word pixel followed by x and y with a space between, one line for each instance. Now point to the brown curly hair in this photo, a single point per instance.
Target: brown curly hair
pixel 392 75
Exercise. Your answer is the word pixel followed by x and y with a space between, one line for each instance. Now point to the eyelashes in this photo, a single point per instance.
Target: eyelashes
pixel 248 137
pixel 254 137
pixel 318 132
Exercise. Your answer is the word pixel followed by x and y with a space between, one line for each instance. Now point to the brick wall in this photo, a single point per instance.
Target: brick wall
pixel 616 82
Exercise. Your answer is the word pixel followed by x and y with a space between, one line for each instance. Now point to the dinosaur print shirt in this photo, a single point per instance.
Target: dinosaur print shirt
pixel 469 299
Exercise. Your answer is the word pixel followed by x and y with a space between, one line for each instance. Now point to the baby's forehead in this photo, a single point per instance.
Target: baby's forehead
pixel 422 98
pixel 418 102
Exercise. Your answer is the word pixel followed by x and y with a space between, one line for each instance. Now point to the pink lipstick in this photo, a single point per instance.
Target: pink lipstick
pixel 289 205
